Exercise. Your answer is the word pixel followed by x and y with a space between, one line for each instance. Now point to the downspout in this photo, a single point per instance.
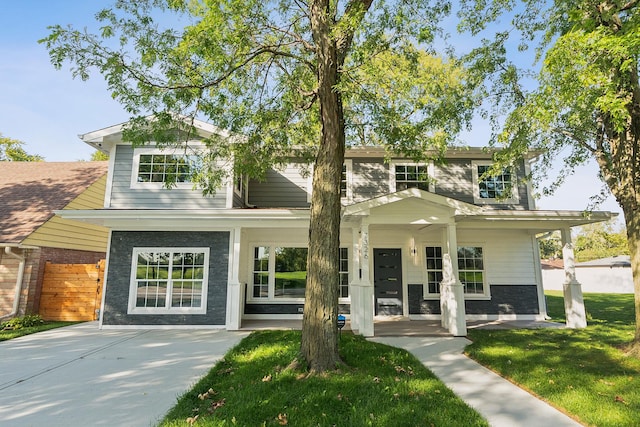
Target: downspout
pixel 16 300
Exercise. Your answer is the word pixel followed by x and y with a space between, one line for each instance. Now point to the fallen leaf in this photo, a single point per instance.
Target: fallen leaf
pixel 376 380
pixel 266 378
pixel 282 419
pixel 192 420
pixel 621 400
pixel 216 405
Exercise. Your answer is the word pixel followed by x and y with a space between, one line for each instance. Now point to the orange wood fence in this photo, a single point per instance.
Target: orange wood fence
pixel 71 291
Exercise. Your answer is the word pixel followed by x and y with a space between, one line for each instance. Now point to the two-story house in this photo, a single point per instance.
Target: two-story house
pixel 418 241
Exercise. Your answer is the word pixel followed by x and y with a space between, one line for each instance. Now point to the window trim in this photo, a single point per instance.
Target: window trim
pixel 135 167
pixel 133 289
pixel 515 196
pixel 271 299
pixel 430 173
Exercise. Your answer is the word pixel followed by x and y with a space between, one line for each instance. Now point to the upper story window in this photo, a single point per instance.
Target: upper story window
pixel 410 175
pixel 153 168
pixel 169 280
pixel 501 188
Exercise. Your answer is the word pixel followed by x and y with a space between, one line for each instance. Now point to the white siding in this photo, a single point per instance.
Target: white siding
pixel 508 255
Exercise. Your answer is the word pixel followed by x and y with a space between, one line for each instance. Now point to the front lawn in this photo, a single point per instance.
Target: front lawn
pixel 256 385
pixel 582 372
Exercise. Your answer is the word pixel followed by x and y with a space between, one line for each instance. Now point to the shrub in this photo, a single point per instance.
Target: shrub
pixel 22 322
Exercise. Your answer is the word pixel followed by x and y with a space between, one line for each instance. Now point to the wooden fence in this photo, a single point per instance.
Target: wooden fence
pixel 71 292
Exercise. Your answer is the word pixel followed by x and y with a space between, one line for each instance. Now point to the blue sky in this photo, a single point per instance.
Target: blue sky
pixel 47 109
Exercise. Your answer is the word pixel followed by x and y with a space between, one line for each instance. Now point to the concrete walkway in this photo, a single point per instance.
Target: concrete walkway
pixel 82 376
pixel 502 403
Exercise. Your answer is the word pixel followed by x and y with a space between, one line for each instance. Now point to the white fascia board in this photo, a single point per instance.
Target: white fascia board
pixel 174 219
pixel 532 220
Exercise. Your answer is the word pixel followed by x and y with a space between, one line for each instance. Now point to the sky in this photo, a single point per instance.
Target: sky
pixel 47 109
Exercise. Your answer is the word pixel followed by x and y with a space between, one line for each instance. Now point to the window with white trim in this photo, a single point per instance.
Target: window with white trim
pixel 344 273
pixel 410 175
pixel 501 188
pixel 279 273
pixel 434 269
pixel 169 280
pixel 155 168
pixel 471 269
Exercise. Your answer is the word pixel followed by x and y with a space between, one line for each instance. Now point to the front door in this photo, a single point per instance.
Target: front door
pixel 387 266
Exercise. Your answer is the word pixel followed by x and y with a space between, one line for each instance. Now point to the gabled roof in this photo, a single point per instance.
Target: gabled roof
pixel 103 139
pixel 457 207
pixel 31 191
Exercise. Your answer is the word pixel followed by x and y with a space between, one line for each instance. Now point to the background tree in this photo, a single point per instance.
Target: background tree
pixel 586 101
pixel 11 151
pixel 98 156
pixel 550 246
pixel 600 240
pixel 294 78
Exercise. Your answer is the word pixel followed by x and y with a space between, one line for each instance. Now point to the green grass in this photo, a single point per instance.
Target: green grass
pixel 582 372
pixel 256 385
pixel 15 333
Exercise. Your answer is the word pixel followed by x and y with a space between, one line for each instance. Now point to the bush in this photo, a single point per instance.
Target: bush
pixel 22 322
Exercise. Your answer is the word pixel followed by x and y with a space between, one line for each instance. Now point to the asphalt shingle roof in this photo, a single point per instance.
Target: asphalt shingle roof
pixel 31 191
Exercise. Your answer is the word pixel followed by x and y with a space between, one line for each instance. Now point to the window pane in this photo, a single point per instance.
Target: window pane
pixel 494 187
pixel 434 268
pixel 151 294
pixel 164 168
pixel 470 269
pixel 261 272
pixel 411 176
pixel 290 272
pixel 344 273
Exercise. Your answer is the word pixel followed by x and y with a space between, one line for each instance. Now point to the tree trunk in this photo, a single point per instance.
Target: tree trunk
pixel 319 346
pixel 632 220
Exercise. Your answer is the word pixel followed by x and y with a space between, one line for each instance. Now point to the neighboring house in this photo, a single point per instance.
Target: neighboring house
pixel 418 241
pixel 30 233
pixel 607 275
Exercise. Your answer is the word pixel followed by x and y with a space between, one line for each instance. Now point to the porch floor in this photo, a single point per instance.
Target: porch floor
pixel 406 327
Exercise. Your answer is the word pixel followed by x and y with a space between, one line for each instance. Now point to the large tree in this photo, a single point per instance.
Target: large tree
pixel 291 78
pixel 11 151
pixel 585 102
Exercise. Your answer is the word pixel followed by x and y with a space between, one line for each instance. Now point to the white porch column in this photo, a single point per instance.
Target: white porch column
pixel 573 301
pixel 364 309
pixel 234 287
pixel 451 289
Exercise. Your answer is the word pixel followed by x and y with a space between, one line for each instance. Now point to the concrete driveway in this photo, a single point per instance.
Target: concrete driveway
pixel 80 376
